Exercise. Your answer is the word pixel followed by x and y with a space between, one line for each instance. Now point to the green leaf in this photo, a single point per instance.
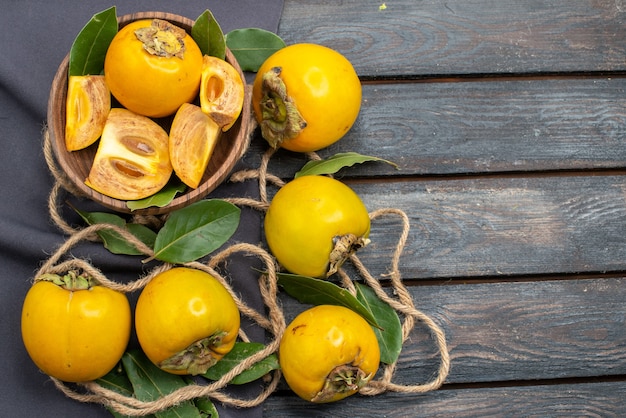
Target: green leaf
pixel 322 292
pixel 252 46
pixel 206 407
pixel 145 234
pixel 196 230
pixel 161 198
pixel 150 383
pixel 239 353
pixel 117 381
pixel 114 241
pixel 335 163
pixel 91 45
pixel 389 334
pixel 208 35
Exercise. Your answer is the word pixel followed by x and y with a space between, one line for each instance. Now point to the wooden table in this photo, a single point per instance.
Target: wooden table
pixel 508 122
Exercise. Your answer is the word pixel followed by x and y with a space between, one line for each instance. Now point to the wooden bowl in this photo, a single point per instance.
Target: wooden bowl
pixel 77 164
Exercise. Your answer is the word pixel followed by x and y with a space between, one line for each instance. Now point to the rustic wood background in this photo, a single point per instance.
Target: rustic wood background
pixel 508 122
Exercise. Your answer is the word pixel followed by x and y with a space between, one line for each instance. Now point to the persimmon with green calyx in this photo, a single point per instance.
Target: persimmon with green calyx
pixel 314 223
pixel 328 353
pixel 186 321
pixel 306 97
pixel 152 67
pixel 73 328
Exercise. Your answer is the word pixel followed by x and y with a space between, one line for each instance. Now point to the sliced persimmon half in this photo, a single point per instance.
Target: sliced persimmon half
pixel 221 91
pixel 87 107
pixel 193 136
pixel 132 161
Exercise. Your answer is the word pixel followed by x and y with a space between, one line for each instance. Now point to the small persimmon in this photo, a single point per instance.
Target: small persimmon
pixel 306 97
pixel 328 353
pixel 186 320
pixel 152 67
pixel 314 223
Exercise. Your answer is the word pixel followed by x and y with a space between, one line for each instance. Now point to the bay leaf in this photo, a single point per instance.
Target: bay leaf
pixel 252 46
pixel 321 292
pixel 335 163
pixel 161 198
pixel 208 34
pixel 150 383
pixel 92 42
pixel 389 335
pixel 196 230
pixel 240 352
pixel 112 240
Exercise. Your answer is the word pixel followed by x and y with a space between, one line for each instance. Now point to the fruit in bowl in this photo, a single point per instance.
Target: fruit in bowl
pixel 132 166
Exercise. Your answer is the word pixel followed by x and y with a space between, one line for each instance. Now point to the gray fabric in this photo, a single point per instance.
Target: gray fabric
pixel 36 35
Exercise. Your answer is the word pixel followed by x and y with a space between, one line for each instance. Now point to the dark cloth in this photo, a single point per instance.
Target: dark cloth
pixel 36 35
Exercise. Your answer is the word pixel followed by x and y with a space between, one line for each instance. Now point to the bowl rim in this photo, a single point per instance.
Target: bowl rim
pixel 57 133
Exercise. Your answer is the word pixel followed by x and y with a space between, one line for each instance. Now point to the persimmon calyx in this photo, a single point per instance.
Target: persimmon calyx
pixel 281 119
pixel 162 39
pixel 72 280
pixel 344 378
pixel 343 247
pixel 198 357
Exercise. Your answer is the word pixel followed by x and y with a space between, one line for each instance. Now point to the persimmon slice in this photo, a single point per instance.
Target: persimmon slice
pixel 193 136
pixel 132 161
pixel 87 106
pixel 221 91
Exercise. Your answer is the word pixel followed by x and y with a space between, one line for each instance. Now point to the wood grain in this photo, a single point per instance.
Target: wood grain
pixel 507 121
pixel 573 400
pixel 499 226
pixel 482 127
pixel 524 331
pixel 458 37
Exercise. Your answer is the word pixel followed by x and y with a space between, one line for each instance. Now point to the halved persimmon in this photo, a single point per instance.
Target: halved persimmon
pixel 132 161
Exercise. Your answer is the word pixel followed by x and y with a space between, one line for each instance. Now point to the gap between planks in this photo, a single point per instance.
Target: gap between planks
pixel 456 281
pixel 600 172
pixel 539 382
pixel 482 77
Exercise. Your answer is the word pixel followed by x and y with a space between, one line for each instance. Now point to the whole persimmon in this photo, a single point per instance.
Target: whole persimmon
pixel 152 67
pixel 306 97
pixel 328 353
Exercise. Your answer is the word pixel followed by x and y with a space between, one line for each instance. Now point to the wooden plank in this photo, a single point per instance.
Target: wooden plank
pixel 459 37
pixel 516 331
pixel 580 400
pixel 482 127
pixel 499 226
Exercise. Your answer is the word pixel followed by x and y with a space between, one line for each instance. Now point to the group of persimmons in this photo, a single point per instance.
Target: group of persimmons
pixel 304 100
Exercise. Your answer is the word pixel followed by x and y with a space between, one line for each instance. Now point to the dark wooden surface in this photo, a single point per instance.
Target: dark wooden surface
pixel 508 122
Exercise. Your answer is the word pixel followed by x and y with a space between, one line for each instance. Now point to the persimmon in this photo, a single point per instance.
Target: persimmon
pixel 152 67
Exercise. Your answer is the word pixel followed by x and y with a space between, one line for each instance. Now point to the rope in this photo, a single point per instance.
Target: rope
pixel 272 320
